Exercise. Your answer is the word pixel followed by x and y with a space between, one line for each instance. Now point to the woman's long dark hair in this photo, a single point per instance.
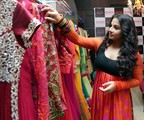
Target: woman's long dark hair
pixel 129 47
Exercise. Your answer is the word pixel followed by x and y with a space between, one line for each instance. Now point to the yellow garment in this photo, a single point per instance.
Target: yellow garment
pixel 77 77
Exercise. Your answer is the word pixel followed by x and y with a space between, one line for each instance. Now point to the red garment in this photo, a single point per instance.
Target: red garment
pixel 55 89
pixel 22 57
pixel 65 54
pixel 55 86
pixel 116 105
pixel 66 59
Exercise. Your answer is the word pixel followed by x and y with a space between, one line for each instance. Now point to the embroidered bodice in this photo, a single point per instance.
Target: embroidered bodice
pixel 11 53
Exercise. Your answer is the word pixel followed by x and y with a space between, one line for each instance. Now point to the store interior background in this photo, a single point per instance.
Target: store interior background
pixel 86 12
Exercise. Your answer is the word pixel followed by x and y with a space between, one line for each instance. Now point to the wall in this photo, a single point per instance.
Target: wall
pixel 85 10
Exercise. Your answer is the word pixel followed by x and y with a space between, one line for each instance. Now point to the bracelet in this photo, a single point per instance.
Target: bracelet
pixel 65 23
pixel 62 23
pixel 67 28
pixel 60 20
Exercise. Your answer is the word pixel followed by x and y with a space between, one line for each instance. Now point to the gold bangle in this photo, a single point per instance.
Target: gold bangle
pixel 65 23
pixel 62 23
pixel 60 20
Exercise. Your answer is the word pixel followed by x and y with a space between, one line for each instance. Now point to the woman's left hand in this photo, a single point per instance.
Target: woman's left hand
pixel 108 87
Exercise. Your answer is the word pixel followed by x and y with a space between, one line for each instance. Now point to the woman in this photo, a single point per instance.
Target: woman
pixel 118 62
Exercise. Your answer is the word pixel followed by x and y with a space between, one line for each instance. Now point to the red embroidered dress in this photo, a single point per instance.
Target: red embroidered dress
pixel 22 60
pixel 55 96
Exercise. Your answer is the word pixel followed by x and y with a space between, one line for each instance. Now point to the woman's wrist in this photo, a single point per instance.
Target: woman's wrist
pixel 60 19
pixel 64 25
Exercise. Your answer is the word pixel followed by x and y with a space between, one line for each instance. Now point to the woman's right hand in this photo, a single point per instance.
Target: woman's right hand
pixel 51 14
pixel 108 87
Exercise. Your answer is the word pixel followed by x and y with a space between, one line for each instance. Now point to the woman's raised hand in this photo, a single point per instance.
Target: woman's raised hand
pixel 51 14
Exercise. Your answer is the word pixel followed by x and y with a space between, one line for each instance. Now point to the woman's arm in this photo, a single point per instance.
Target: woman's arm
pixel 53 16
pixel 90 43
pixel 135 80
pixel 111 86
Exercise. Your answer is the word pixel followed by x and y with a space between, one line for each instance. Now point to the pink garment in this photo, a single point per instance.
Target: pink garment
pixel 65 54
pixel 66 60
pixel 55 89
pixel 25 59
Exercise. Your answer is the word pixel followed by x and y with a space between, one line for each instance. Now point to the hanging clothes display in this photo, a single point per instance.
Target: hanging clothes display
pixel 56 96
pixel 72 105
pixel 85 109
pixel 66 59
pixel 22 57
pixel 37 79
pixel 55 87
pixel 86 81
pixel 78 83
pixel 69 89
pixel 53 75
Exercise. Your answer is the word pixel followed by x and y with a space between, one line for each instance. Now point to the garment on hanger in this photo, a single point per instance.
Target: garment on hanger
pixel 18 35
pixel 66 60
pixel 86 81
pixel 56 93
pixel 56 96
pixel 78 83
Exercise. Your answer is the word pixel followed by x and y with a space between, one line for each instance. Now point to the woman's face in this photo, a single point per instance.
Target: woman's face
pixel 115 30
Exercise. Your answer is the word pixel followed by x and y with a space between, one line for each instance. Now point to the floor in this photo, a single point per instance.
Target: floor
pixel 138 106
